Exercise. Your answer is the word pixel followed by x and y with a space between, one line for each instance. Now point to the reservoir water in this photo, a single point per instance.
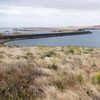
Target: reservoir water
pixel 91 40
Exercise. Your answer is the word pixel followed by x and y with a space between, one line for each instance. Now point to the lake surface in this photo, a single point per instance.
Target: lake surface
pixel 91 40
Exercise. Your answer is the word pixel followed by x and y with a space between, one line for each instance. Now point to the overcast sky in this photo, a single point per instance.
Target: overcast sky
pixel 14 13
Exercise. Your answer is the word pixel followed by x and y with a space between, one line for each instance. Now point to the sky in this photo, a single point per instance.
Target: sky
pixel 49 13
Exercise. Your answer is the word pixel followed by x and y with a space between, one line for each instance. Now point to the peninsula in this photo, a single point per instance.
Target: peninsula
pixel 20 34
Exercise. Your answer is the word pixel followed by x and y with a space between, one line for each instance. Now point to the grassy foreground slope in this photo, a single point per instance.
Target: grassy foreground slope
pixel 49 73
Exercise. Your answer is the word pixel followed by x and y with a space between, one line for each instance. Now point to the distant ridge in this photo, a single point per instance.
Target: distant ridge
pixel 92 27
pixel 96 26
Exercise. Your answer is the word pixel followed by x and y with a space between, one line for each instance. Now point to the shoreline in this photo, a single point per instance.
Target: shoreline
pixel 8 38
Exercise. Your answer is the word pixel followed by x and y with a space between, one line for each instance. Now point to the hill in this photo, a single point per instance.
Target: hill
pixel 49 73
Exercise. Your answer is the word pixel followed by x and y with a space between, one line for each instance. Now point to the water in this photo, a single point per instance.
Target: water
pixel 91 40
pixel 33 30
pixel 6 30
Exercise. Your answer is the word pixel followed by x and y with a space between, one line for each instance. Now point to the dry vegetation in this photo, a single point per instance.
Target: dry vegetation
pixel 49 73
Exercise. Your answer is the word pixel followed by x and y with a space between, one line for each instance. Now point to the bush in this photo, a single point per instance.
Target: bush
pixel 96 78
pixel 80 78
pixel 75 50
pixel 53 66
pixel 48 54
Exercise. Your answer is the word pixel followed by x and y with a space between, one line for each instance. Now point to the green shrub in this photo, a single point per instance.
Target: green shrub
pixel 74 50
pixel 48 54
pixel 80 78
pixel 96 78
pixel 53 66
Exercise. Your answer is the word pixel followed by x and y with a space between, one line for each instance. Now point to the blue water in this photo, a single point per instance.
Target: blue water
pixel 91 40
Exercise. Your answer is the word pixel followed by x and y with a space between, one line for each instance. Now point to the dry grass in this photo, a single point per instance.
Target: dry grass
pixel 49 73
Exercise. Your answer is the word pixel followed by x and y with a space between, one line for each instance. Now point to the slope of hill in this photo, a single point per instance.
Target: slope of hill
pixel 49 73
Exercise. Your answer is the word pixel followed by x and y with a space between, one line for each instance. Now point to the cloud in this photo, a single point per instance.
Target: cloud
pixel 28 11
pixel 49 12
pixel 58 4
